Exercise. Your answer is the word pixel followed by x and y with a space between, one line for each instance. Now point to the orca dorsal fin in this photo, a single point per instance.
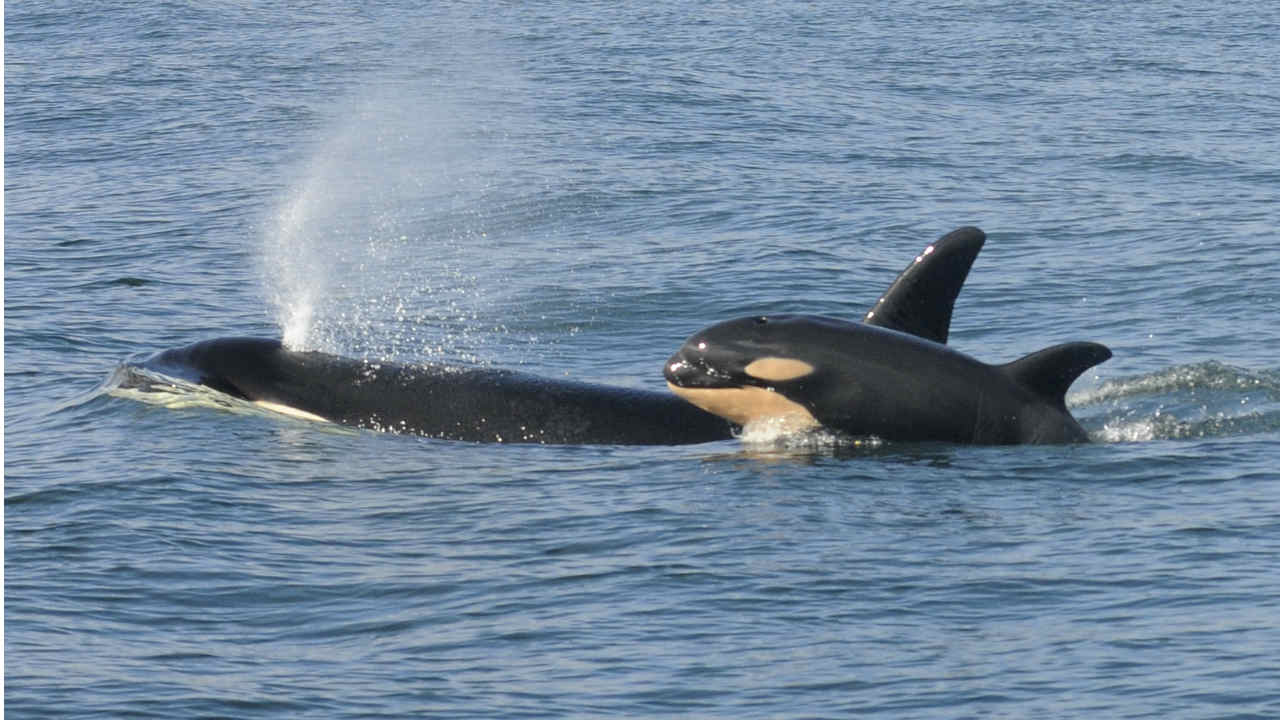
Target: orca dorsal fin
pixel 1050 372
pixel 919 302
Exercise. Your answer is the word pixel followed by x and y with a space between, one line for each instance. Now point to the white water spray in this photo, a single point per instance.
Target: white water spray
pixel 379 246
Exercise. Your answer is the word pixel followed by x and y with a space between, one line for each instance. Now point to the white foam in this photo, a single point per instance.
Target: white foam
pixel 153 388
pixel 782 434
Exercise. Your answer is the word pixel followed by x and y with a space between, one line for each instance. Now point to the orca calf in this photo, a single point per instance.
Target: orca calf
pixel 891 377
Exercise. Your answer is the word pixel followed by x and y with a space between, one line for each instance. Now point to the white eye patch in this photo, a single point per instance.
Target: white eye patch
pixel 778 369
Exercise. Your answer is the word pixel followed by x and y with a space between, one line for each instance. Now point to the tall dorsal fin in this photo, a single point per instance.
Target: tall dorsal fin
pixel 1050 372
pixel 919 302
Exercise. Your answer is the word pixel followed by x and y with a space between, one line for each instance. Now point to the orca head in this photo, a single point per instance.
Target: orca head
pixel 754 369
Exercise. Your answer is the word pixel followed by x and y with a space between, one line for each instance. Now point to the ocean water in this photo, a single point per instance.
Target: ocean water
pixel 572 190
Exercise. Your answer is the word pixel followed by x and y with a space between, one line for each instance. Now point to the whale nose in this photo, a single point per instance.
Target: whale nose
pixel 678 371
pixel 684 371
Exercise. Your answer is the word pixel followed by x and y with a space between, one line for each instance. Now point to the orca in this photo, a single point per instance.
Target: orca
pixel 496 405
pixel 442 401
pixel 891 377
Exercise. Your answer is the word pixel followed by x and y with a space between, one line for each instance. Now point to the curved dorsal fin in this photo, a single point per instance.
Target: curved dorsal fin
pixel 919 302
pixel 1050 372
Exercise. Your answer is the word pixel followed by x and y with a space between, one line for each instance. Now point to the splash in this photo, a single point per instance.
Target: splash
pixel 1166 426
pixel 1202 400
pixel 1209 375
pixel 778 435
pixel 153 386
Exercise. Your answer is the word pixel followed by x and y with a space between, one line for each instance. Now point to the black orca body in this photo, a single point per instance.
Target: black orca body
pixel 891 377
pixel 449 402
pixel 864 381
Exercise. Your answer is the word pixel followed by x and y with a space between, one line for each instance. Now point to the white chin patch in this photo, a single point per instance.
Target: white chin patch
pixel 746 405
pixel 778 369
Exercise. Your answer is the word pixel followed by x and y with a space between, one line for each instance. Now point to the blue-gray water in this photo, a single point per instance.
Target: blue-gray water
pixel 573 189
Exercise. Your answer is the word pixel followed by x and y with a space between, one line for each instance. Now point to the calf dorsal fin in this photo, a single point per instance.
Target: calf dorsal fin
pixel 919 302
pixel 1050 372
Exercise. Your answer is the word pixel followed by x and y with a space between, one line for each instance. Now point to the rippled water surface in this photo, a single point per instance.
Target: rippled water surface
pixel 573 190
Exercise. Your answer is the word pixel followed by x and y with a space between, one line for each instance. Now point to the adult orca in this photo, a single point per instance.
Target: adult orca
pixel 494 405
pixel 441 401
pixel 891 377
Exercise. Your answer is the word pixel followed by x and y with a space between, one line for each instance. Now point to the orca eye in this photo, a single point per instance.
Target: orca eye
pixel 762 320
